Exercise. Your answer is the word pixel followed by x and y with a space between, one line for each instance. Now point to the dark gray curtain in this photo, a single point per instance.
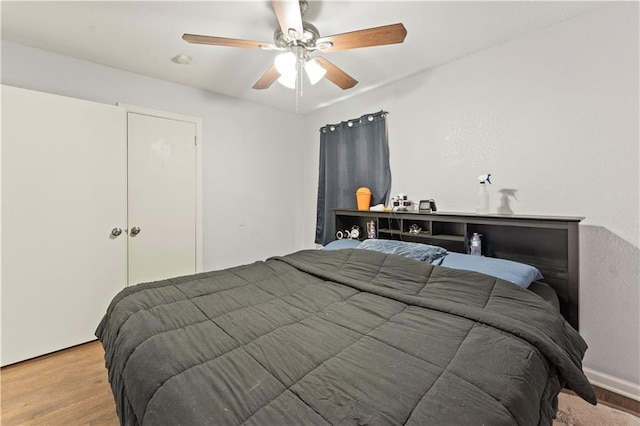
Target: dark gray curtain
pixel 353 153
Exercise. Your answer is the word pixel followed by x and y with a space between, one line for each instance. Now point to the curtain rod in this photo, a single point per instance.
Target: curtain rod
pixel 381 112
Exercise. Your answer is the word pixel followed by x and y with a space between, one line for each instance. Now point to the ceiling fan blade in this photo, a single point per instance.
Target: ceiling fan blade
pixel 267 79
pixel 289 16
pixel 222 41
pixel 336 75
pixel 377 36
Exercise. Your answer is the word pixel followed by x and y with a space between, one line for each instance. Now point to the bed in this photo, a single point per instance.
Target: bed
pixel 346 336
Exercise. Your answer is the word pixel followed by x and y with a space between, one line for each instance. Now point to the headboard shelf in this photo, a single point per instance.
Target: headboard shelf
pixel 550 243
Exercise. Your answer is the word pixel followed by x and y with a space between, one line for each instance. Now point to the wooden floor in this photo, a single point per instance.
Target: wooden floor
pixel 70 387
pixel 619 402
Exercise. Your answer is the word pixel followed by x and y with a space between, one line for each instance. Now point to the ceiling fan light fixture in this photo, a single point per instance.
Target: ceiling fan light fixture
pixel 314 71
pixel 298 38
pixel 286 63
pixel 288 80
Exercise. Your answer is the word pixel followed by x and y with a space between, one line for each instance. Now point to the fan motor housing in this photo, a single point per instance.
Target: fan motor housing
pixel 308 39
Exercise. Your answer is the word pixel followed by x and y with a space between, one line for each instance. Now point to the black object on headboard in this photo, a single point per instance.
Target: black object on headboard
pixel 550 243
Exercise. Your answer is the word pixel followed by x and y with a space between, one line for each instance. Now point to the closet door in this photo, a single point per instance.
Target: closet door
pixel 162 197
pixel 63 192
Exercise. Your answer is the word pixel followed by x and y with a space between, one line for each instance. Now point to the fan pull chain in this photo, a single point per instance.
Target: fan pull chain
pixel 297 100
pixel 301 77
pixel 299 80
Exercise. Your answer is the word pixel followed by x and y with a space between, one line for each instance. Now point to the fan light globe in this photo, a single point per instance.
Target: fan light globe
pixel 286 63
pixel 288 80
pixel 314 71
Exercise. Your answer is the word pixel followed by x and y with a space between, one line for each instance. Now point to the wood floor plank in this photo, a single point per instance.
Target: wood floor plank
pixel 66 387
pixel 618 402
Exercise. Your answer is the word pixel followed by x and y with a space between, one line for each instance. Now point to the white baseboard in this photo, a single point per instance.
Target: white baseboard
pixel 613 384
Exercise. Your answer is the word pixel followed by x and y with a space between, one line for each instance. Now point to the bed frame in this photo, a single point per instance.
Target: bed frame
pixel 550 243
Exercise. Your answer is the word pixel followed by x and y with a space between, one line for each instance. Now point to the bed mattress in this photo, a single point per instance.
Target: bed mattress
pixel 338 337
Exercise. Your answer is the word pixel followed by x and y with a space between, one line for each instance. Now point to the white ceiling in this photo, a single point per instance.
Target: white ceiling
pixel 143 36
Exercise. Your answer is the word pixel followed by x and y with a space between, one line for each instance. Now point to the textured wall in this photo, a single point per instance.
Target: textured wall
pixel 552 115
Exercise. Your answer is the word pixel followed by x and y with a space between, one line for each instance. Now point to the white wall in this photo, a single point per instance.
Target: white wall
pixel 250 159
pixel 554 115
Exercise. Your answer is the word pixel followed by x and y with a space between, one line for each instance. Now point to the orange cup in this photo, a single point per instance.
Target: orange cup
pixel 363 197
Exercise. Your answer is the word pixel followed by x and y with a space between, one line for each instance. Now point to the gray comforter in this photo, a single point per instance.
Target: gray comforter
pixel 338 337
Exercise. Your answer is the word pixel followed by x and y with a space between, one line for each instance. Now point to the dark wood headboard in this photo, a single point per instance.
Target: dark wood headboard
pixel 550 243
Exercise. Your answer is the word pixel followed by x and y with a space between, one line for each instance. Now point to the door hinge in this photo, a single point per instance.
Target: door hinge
pixel 195 140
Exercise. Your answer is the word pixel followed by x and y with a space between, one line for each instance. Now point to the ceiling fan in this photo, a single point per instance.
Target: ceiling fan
pixel 298 39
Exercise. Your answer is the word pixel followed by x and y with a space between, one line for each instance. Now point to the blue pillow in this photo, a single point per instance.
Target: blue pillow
pixel 421 252
pixel 518 273
pixel 341 244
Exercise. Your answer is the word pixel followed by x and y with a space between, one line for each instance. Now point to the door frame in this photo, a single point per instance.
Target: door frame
pixel 197 121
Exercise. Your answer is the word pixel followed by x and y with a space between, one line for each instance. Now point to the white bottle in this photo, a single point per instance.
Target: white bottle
pixel 483 199
pixel 476 245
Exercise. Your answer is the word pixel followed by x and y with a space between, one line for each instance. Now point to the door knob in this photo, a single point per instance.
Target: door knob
pixel 116 231
pixel 135 230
